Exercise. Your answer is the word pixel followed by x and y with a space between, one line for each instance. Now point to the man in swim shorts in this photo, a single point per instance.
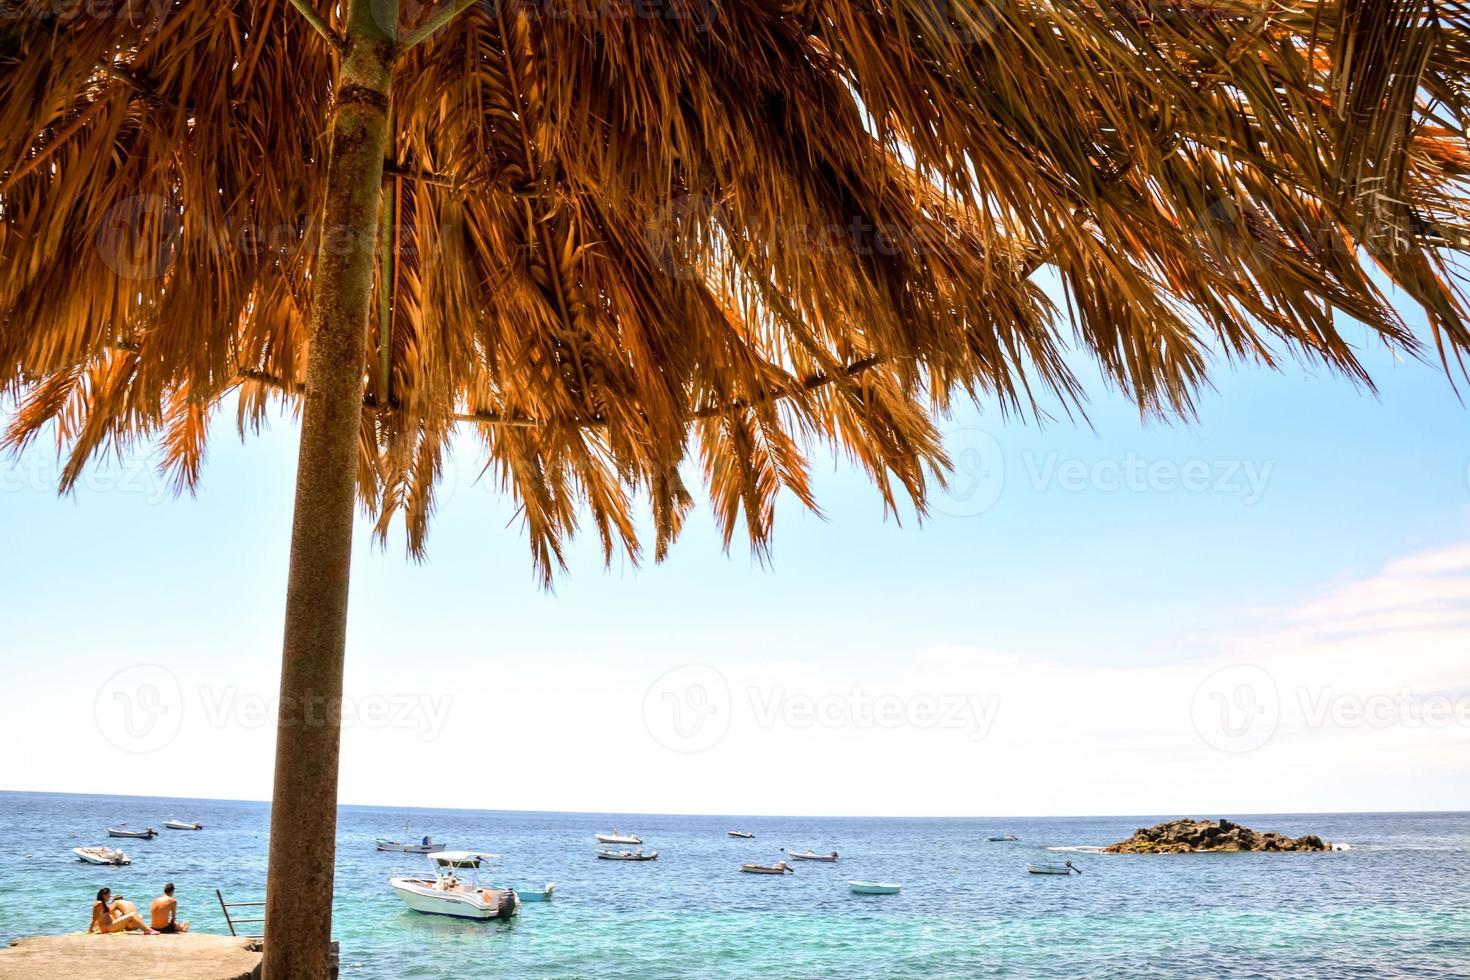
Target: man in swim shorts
pixel 165 912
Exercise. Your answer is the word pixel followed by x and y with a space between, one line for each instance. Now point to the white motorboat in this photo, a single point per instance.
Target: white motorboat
pixel 779 868
pixel 811 856
pixel 617 838
pixel 148 833
pixel 637 855
pixel 742 834
pixel 449 892
pixel 101 855
pixel 874 887
pixel 181 825
pixel 1053 869
pixel 424 845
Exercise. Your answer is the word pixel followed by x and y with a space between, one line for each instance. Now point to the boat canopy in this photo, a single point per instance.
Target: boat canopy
pixel 461 859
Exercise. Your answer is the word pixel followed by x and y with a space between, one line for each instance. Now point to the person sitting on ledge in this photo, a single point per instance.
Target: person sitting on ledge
pixel 165 912
pixel 106 919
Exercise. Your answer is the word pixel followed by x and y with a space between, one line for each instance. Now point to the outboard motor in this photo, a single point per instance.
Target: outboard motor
pixel 507 903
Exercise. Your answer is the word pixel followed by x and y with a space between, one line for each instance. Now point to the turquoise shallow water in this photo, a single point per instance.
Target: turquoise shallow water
pixel 1398 903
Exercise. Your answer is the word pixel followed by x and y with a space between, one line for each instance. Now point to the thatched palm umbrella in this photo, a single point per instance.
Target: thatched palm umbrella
pixel 605 237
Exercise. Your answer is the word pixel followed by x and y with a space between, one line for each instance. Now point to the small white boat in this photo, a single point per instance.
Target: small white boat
pixel 181 825
pixel 1053 869
pixel 742 834
pixel 424 845
pixel 812 856
pixel 122 831
pixel 1003 837
pixel 617 838
pixel 529 894
pixel 637 855
pixel 446 892
pixel 874 887
pixel 779 868
pixel 101 855
pixel 427 845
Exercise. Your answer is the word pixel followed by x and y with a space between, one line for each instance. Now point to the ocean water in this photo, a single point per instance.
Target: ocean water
pixel 1397 903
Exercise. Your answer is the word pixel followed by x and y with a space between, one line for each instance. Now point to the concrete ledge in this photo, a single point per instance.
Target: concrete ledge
pixel 130 956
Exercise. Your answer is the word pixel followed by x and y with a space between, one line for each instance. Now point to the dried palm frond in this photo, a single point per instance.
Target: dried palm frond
pixel 620 239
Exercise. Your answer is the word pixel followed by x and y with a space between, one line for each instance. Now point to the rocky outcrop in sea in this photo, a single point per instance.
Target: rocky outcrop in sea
pixel 1192 836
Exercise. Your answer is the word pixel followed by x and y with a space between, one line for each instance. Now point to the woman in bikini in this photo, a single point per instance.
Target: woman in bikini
pixel 103 919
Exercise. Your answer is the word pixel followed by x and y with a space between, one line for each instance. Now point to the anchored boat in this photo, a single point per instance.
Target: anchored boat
pixel 1053 869
pixel 101 855
pixel 122 831
pixel 779 868
pixel 1003 837
pixel 181 825
pixel 617 838
pixel 637 855
pixel 742 834
pixel 874 887
pixel 533 894
pixel 447 892
pixel 811 856
pixel 427 845
pixel 424 845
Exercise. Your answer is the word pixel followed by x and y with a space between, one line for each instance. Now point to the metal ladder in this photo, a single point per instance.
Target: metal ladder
pixel 232 921
pixel 257 938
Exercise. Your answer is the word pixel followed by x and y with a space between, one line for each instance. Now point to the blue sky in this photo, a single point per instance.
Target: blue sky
pixel 1303 487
